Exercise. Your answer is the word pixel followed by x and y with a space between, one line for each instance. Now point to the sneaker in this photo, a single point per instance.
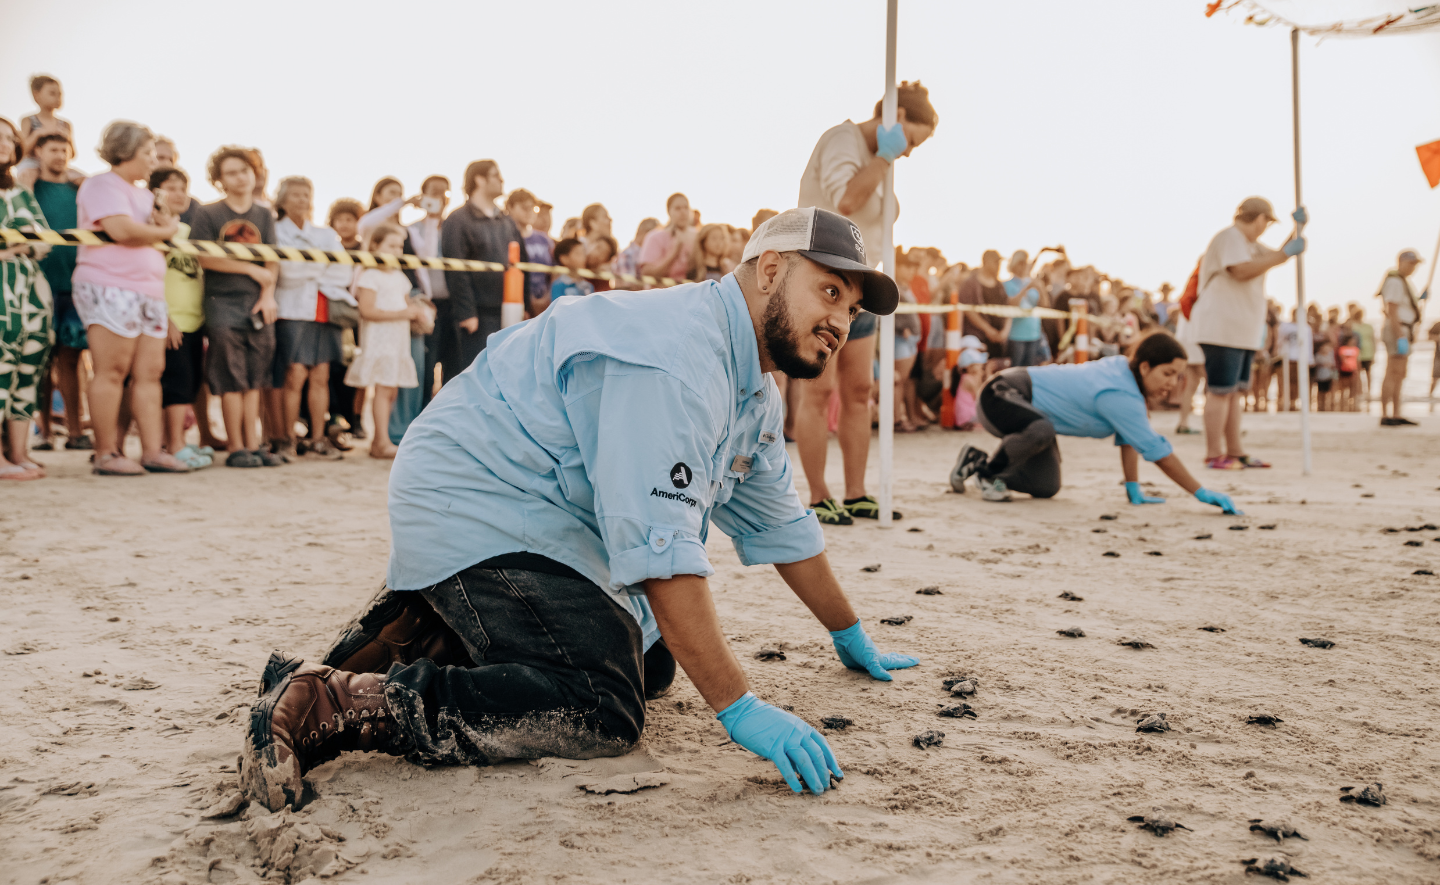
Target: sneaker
pixel 970 460
pixel 193 458
pixel 269 459
pixel 323 450
pixel 866 507
pixel 243 458
pixel 80 443
pixel 993 489
pixel 831 513
pixel 1253 463
pixel 1224 462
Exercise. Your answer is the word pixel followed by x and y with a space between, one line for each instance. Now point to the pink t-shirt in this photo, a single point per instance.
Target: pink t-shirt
pixel 137 268
pixel 657 243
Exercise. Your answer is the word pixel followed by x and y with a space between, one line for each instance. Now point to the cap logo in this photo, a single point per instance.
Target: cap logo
pixel 859 241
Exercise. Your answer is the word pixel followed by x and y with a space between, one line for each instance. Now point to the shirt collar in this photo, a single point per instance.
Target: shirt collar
pixel 744 349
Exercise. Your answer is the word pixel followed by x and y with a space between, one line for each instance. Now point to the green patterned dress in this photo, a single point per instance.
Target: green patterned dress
pixel 25 324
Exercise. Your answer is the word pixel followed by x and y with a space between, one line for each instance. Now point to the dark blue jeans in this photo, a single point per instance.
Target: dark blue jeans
pixel 559 671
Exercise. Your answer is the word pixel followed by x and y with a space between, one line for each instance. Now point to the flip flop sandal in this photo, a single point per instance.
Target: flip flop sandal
pixel 1224 463
pixel 16 473
pixel 1188 431
pixel 103 466
pixel 161 467
pixel 32 467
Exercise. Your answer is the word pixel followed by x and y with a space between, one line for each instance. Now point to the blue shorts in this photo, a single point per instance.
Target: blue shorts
pixel 69 329
pixel 1227 369
pixel 906 347
pixel 863 326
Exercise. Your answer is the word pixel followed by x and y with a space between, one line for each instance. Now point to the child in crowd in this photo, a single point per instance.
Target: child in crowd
pixel 710 260
pixel 185 343
pixel 48 97
pixel 1325 374
pixel 385 314
pixel 971 377
pixel 569 253
pixel 599 253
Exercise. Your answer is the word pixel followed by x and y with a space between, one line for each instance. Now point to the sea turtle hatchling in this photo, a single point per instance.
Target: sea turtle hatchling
pixel 962 686
pixel 1370 794
pixel 957 711
pixel 1278 830
pixel 1274 867
pixel 1134 643
pixel 1072 632
pixel 836 723
pixel 1157 822
pixel 1153 723
pixel 1263 719
pixel 927 739
pixel 769 654
pixel 898 621
pixel 1317 643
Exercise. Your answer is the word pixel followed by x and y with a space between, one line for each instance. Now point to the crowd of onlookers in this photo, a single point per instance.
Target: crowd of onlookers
pixel 127 336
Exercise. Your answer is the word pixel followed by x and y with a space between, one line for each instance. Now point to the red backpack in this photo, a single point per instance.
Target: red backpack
pixel 1192 292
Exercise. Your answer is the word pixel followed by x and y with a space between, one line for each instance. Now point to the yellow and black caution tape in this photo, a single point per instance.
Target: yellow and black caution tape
pixel 265 253
pixel 357 257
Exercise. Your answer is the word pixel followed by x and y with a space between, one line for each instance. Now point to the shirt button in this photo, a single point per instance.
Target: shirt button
pixel 659 542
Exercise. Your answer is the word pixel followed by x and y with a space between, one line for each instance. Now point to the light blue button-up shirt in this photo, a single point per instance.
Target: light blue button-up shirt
pixel 605 434
pixel 1097 399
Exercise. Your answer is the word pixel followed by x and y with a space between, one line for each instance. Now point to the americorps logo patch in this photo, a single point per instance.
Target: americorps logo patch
pixel 681 475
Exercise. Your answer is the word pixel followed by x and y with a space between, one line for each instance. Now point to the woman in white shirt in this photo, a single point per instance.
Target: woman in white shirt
pixel 306 343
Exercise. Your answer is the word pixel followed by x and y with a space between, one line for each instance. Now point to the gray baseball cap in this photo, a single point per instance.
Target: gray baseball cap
pixel 829 239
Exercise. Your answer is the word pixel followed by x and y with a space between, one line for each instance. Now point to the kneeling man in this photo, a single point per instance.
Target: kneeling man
pixel 549 512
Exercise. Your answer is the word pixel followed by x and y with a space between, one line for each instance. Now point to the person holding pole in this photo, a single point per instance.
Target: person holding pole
pixel 1402 312
pixel 846 174
pixel 1029 407
pixel 1229 323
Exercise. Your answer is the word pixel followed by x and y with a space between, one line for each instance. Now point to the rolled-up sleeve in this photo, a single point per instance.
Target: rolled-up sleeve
pixel 764 517
pixel 1126 413
pixel 650 468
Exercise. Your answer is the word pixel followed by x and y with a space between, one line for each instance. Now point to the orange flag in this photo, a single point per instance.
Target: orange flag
pixel 1430 161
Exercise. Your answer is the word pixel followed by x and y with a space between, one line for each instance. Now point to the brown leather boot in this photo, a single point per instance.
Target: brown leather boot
pixel 311 715
pixel 396 628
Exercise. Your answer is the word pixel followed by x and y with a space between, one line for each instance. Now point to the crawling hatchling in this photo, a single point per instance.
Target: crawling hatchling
pixel 1279 830
pixel 1157 822
pixel 1274 867
pixel 1370 794
pixel 962 686
pixel 1154 723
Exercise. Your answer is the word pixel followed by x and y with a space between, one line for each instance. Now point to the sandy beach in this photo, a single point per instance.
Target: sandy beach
pixel 140 612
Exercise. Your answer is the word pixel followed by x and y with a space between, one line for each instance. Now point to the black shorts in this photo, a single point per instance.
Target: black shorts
pixel 239 360
pixel 184 370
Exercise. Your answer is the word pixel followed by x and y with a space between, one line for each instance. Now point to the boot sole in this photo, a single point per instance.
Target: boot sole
pixel 263 778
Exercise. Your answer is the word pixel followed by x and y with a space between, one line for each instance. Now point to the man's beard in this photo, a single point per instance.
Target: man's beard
pixel 781 341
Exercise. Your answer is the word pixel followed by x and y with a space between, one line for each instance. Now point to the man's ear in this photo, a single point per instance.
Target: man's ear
pixel 767 270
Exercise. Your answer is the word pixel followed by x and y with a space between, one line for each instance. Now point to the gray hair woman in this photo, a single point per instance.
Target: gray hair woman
pixel 306 343
pixel 119 292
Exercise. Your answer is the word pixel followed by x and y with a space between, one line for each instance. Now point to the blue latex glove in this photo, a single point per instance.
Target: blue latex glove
pixel 798 750
pixel 890 142
pixel 1294 247
pixel 1402 346
pixel 1218 499
pixel 1301 216
pixel 1132 491
pixel 858 652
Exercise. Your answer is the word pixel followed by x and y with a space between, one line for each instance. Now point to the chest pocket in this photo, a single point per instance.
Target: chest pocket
pixel 740 457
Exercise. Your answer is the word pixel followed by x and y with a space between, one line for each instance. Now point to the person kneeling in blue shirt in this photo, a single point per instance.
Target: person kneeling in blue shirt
pixel 1029 407
pixel 549 512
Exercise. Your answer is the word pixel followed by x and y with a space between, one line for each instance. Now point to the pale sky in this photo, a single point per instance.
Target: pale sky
pixel 1128 131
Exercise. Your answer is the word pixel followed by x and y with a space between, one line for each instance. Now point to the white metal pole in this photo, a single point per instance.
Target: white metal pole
pixel 887 255
pixel 1301 318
